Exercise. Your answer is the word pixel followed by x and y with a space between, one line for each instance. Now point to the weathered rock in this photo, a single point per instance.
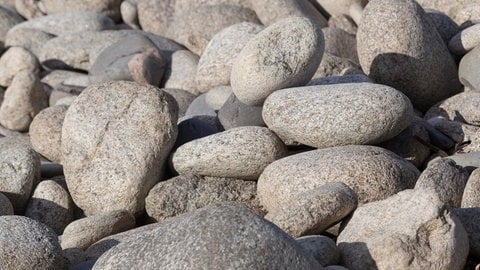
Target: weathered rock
pixel 468 70
pixel 28 244
pixel 342 114
pixel 111 8
pixel 470 219
pixel 195 127
pixel 313 211
pixel 234 114
pixel 186 193
pixel 372 172
pixel 30 39
pixel 6 207
pixel 183 98
pixel 466 40
pixel 118 130
pixel 471 193
pixel 180 73
pixel 285 54
pixel 340 43
pixel 84 232
pixel 340 7
pixel 414 225
pixel 272 11
pixel 14 60
pixel 399 46
pixel 461 107
pixel 155 16
pixel 237 153
pixel 217 96
pixel 323 249
pixel 204 236
pixel 452 129
pixel 8 19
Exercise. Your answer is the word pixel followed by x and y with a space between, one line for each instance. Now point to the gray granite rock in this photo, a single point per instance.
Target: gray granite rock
pixel 199 106
pixel 74 256
pixel 453 129
pixel 313 211
pixel 461 107
pixel 195 127
pixel 466 40
pixel 272 11
pixel 354 78
pixel 414 225
pixel 155 16
pixel 8 19
pixel 215 65
pixel 84 232
pixel 215 237
pixel 340 114
pixel 28 38
pixel 182 6
pixel 470 219
pixel 117 134
pixel 285 54
pixel 180 73
pixel 471 193
pixel 467 15
pixel 321 247
pixel 238 153
pixel 6 207
pixel 217 96
pixel 14 60
pixel 446 27
pixel 51 205
pixel 187 193
pixel 399 46
pixel 332 65
pixel 468 70
pixel 110 8
pixel 469 161
pixel 372 172
pixel 344 22
pixel 183 98
pixel 340 43
pixel 28 244
pixel 235 113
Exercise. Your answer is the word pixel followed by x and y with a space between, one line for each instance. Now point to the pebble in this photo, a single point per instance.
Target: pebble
pixel 155 16
pixel 129 13
pixel 466 40
pixel 332 65
pixel 446 27
pixel 14 60
pixel 29 9
pixel 6 207
pixel 285 54
pixel 468 69
pixel 471 193
pixel 241 152
pixel 199 107
pixel 468 15
pixel 235 113
pixel 344 22
pixel 353 78
pixel 323 249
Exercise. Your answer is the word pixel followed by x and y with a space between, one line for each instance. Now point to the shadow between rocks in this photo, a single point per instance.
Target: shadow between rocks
pixel 357 252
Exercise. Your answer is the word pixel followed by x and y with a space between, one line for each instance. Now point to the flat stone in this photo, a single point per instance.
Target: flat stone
pixel 217 96
pixel 117 134
pixel 272 11
pixel 372 172
pixel 6 207
pixel 341 114
pixel 471 193
pixel 466 40
pixel 468 70
pixel 235 113
pixel 462 107
pixel 14 60
pixel 110 8
pixel 285 54
pixel 180 73
pixel 321 247
pixel 238 153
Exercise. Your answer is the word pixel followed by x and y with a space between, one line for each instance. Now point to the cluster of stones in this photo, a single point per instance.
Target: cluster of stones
pixel 239 134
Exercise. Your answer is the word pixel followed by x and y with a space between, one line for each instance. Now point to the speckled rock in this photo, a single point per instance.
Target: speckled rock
pixel 340 7
pixel 468 15
pixel 195 28
pixel 8 19
pixel 111 8
pixel 323 249
pixel 6 207
pixel 203 236
pixel 103 128
pixel 24 99
pixel 182 6
pixel 332 65
pixel 466 40
pixel 470 219
pixel 51 205
pixel 353 78
pixel 183 98
pixel 28 244
pixel 471 193
pixel 344 22
pixel 195 127
pixel 186 193
pixel 272 11
pixel 215 65
pixel 285 54
pixel 234 114
pixel 340 43
pixel 155 16
pixel 14 60
pixel 84 232
pixel 399 46
pixel 180 73
pixel 414 225
pixel 372 172
pixel 462 107
pixel 342 114
pixel 238 153
pixel 469 69
pixel 313 211
pixel 446 27
pixel 30 39
pixel 217 96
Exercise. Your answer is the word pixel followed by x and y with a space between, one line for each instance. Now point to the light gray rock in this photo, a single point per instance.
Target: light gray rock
pixel 354 78
pixel 470 219
pixel 372 172
pixel 129 13
pixel 204 236
pixel 28 244
pixel 84 232
pixel 215 65
pixel 234 114
pixel 24 99
pixel 29 9
pixel 285 54
pixel 468 70
pixel 6 207
pixel 461 107
pixel 14 60
pixel 469 161
pixel 117 134
pixel 467 15
pixel 466 40
pixel 182 6
pixel 340 7
pixel 399 46
pixel 30 39
pixel 344 22
pixel 217 96
pixel 110 8
pixel 199 107
pixel 340 43
pixel 471 193
pixel 313 211
pixel 340 114
pixel 156 16
pixel 183 98
pixel 237 153
pixel 321 247
pixel 272 11
pixel 8 19
pixel 187 193
pixel 180 73
pixel 332 65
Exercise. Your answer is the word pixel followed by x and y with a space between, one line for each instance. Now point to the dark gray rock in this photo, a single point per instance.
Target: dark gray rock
pixel 6 207
pixel 272 11
pixel 234 114
pixel 470 219
pixel 322 248
pixel 446 27
pixel 196 127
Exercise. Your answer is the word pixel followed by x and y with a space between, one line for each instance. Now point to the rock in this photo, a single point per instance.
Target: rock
pixel 461 107
pixel 323 249
pixel 469 161
pixel 469 217
pixel 105 138
pixel 468 69
pixel 354 78
pixel 8 4
pixel 466 40
pixel 199 106
pixel 344 22
pixel 155 16
pixel 6 207
pixel 234 114
pixel 74 256
pixel 183 98
pixel 87 265
pixel 28 244
pixel 452 129
pixel 335 267
pixel 29 9
pixel 237 153
pixel 340 7
pixel 414 225
pixel 272 11
pixel 332 65
pixel 313 211
pixel 445 26
pixel 189 235
pixel 129 13
pixel 468 15
pixel 182 6
pixel 372 172
pixel 285 54
pixel 50 169
pixel 436 137
pixel 187 193
pixel 342 114
pixel 471 193
pixel 340 43
pixel 30 39
pixel 14 60
pixel 399 46
pixel 147 67
pixel 23 100
pixel 84 232
pixel 195 127
pixel 195 28
pixel 217 96
pixel 51 205
pixel 46 132
pixel 180 73
pixel 111 8
pixel 8 19
pixel 215 65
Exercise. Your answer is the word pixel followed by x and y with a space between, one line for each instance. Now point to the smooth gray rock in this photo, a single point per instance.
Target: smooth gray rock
pixel 28 38
pixel 399 46
pixel 183 98
pixel 462 107
pixel 285 54
pixel 6 207
pixel 215 237
pixel 241 152
pixel 341 114
pixel 466 40
pixel 110 8
pixel 469 69
pixel 322 248
pixel 272 11
pixel 470 219
pixel 372 172
pixel 14 60
pixel 217 96
pixel 117 130
pixel 414 225
pixel 129 13
pixel 199 107
pixel 471 193
pixel 181 70
pixel 234 114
